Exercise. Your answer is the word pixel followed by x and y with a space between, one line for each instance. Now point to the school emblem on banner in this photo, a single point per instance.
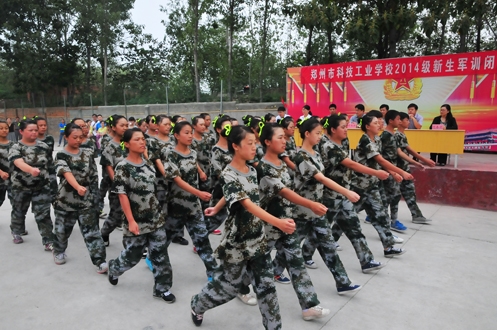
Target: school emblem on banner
pixel 402 89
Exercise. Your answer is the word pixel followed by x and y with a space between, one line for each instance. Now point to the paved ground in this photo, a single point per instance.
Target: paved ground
pixel 446 280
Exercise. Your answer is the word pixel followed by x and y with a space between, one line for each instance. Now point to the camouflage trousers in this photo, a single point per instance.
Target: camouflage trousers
pixel 227 283
pixel 4 191
pixel 162 198
pixel 88 225
pixel 342 215
pixel 115 217
pixel 372 202
pixel 157 254
pixel 391 196
pixel 196 227
pixel 104 187
pixel 40 201
pixel 318 230
pixel 289 256
pixel 408 191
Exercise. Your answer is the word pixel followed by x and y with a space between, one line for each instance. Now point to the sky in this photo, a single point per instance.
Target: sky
pixel 148 14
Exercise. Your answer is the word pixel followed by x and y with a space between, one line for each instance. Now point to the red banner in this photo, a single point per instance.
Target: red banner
pixel 403 69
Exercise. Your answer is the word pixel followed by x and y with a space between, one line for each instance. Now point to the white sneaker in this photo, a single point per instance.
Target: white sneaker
pixel 310 264
pixel 247 299
pixel 315 312
pixel 398 240
pixel 59 258
pixel 103 268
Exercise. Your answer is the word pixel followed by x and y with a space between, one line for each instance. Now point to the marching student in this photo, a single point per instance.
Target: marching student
pixel 134 184
pixel 243 249
pixel 368 153
pixel 291 148
pixel 310 183
pixel 142 125
pixel 77 196
pixel 184 209
pixel 105 182
pixel 277 198
pixel 338 167
pixel 112 154
pixel 407 188
pixel 256 125
pixel 88 142
pixel 5 145
pixel 50 142
pixel 30 184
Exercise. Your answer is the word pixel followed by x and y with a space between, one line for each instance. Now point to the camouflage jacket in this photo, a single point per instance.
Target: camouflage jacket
pixel 389 147
pixel 137 182
pixel 219 159
pixel 402 144
pixel 305 183
pixel 91 145
pixel 4 160
pixel 84 169
pixel 182 204
pixel 332 155
pixel 364 154
pixel 50 142
pixel 112 154
pixel 243 237
pixel 35 156
pixel 203 149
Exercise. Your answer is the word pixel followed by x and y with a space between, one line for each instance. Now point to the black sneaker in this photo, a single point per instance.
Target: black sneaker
pixel 180 240
pixel 112 279
pixel 392 252
pixel 166 296
pixel 372 266
pixel 348 289
pixel 197 318
pixel 106 240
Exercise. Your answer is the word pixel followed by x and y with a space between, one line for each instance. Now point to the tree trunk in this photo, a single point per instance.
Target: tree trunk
pixel 442 36
pixel 264 48
pixel 392 42
pixel 479 27
pixel 309 46
pixel 195 5
pixel 330 46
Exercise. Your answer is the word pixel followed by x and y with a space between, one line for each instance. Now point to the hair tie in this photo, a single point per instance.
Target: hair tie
pixel 193 117
pixel 24 118
pixel 261 126
pixel 326 124
pixel 227 130
pixel 35 117
pixel 215 121
pixel 360 122
pixel 172 128
pixel 280 121
pixel 122 146
pixel 249 122
pixel 153 120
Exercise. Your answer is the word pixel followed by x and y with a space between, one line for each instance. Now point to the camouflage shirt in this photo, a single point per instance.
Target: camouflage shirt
pixel 273 179
pixel 137 182
pixel 91 145
pixel 211 138
pixel 364 154
pixel 35 156
pixel 389 147
pixel 182 204
pixel 112 154
pixel 104 140
pixel 243 237
pixel 402 144
pixel 332 155
pixel 219 159
pixel 82 165
pixel 305 184
pixel 259 153
pixel 291 149
pixel 50 142
pixel 203 150
pixel 4 160
pixel 153 148
pixel 162 150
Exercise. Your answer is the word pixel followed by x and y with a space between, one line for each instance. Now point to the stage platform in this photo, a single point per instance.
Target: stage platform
pixel 472 184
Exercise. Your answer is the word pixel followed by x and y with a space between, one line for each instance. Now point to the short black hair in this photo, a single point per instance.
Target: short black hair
pixel 413 105
pixel 391 115
pixel 385 106
pixel 360 106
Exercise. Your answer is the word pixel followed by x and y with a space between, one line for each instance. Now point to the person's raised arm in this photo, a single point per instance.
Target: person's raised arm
pixel 74 183
pixel 285 225
pixel 349 194
pixel 288 162
pixel 21 164
pixel 392 168
pixel 425 160
pixel 318 208
pixel 408 159
pixel 357 167
pixel 203 195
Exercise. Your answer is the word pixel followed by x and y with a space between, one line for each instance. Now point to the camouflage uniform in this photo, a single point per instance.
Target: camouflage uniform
pixel 340 209
pixel 272 180
pixel 219 159
pixel 160 180
pixel 308 223
pixel 71 207
pixel 28 189
pixel 290 151
pixel 368 187
pixel 4 166
pixel 243 253
pixel 259 153
pixel 91 145
pixel 407 188
pixel 391 187
pixel 184 208
pixel 105 182
pixel 112 154
pixel 203 149
pixel 50 142
pixel 137 182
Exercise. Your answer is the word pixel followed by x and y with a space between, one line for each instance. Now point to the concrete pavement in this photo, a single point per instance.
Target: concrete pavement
pixel 446 280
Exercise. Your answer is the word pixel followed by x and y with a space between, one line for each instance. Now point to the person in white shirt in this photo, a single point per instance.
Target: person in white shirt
pixel 306 112
pixel 415 119
pixel 281 114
